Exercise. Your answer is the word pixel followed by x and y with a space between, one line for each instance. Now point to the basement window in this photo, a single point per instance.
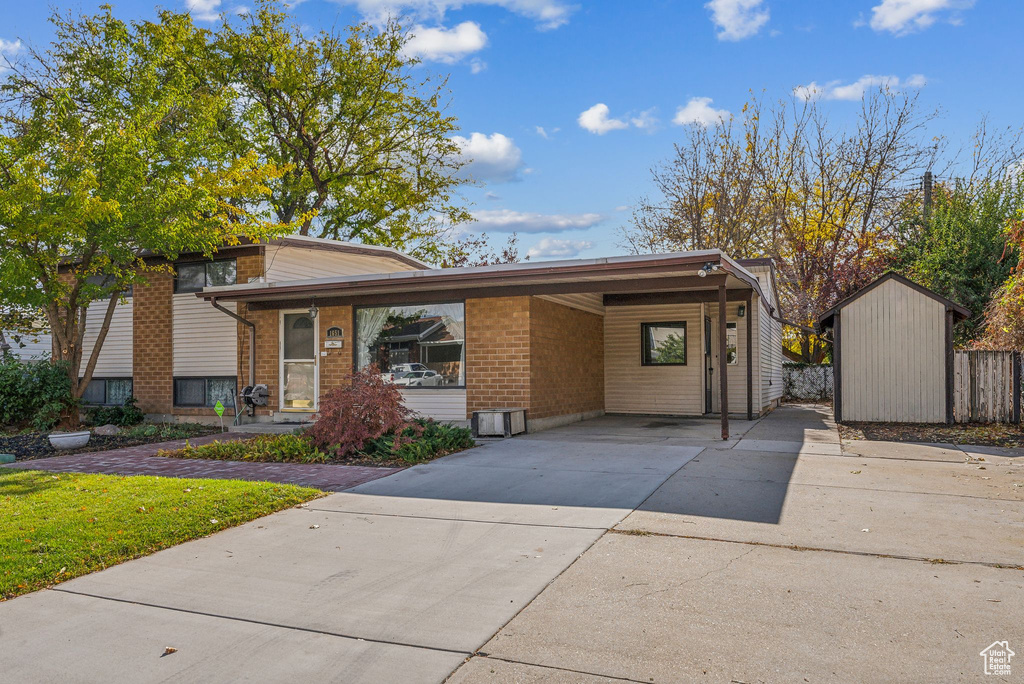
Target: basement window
pixel 664 344
pixel 107 391
pixel 205 392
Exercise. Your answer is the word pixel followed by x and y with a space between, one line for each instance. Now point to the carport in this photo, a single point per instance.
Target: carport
pixel 689 333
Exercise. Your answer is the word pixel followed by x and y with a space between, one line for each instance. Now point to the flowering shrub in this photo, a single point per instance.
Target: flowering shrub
pixel 365 409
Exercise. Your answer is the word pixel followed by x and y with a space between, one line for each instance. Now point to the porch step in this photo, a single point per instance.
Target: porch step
pixel 269 428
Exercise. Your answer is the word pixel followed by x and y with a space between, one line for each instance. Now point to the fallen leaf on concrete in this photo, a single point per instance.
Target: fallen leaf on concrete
pixel 855 472
pixel 169 650
pixel 314 527
pixel 865 530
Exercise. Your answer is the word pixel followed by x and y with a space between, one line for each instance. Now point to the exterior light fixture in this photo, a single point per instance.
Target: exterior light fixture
pixel 741 311
pixel 708 267
pixel 313 311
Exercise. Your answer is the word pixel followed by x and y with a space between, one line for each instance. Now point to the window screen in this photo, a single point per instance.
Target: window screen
pixel 95 393
pixel 109 391
pixel 205 392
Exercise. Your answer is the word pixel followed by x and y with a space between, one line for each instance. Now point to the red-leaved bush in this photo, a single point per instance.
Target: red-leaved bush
pixel 366 408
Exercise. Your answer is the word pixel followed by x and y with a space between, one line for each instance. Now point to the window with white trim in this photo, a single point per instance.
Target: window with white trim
pixel 731 356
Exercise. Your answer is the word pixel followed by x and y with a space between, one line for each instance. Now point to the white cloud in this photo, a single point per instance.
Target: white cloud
pixel 476 65
pixel 906 16
pixel 492 157
pixel 508 221
pixel 737 19
pixel 596 120
pixel 445 45
pixel 555 247
pixel 545 133
pixel 8 49
pixel 646 120
pixel 549 14
pixel 835 90
pixel 203 10
pixel 699 111
pixel 492 196
pixel 623 207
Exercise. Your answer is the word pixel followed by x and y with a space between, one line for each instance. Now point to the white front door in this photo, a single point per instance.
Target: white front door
pixel 299 381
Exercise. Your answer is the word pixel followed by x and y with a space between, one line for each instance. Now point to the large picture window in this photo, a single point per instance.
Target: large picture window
pixel 419 346
pixel 664 344
pixel 195 276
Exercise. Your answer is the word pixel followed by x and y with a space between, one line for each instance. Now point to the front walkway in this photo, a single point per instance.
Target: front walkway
pixel 141 460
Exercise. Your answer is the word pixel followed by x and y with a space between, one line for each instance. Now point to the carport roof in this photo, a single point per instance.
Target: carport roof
pixel 672 271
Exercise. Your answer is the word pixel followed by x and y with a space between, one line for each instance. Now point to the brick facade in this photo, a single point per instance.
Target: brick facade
pixel 497 353
pixel 566 360
pixel 536 354
pixel 152 354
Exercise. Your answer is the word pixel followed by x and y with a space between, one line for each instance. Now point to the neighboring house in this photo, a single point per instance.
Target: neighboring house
pixel 176 353
pixel 565 340
pixel 892 353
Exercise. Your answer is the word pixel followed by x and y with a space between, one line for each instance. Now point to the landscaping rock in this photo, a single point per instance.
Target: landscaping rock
pixel 107 430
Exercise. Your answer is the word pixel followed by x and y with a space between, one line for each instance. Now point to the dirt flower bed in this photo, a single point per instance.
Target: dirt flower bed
pixel 981 434
pixel 28 446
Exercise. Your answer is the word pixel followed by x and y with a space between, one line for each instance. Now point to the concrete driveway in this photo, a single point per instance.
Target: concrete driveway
pixel 620 549
pixel 398 580
pixel 784 557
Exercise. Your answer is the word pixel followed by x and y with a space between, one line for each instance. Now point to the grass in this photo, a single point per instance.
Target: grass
pixel 54 527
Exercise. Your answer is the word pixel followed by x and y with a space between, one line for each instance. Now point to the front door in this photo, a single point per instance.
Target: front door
pixel 709 368
pixel 298 362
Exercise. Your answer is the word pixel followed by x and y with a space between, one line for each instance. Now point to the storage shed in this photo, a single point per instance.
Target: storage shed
pixel 893 353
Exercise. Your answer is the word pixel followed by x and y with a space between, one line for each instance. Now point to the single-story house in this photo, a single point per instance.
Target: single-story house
pixel 564 340
pixel 892 353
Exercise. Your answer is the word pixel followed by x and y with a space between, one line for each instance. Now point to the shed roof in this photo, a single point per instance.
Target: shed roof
pixel 827 319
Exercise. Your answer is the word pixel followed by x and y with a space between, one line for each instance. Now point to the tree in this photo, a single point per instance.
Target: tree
pixel 825 202
pixel 961 251
pixel 111 151
pixel 1004 316
pixel 476 250
pixel 367 146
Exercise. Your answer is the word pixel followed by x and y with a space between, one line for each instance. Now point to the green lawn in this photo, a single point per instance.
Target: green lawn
pixel 55 526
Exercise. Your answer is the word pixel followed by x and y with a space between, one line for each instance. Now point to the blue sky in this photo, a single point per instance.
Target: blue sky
pixel 565 106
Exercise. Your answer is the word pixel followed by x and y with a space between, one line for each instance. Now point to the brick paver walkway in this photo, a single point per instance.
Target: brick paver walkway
pixel 140 460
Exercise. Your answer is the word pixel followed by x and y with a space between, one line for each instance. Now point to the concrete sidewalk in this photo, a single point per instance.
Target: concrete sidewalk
pixel 400 579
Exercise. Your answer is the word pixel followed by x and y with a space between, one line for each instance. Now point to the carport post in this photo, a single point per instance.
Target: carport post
pixel 750 357
pixel 723 363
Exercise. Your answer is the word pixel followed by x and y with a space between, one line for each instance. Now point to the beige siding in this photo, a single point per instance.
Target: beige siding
pixel 35 345
pixel 205 341
pixel 892 350
pixel 633 388
pixel 736 374
pixel 592 302
pixel 442 405
pixel 115 359
pixel 298 263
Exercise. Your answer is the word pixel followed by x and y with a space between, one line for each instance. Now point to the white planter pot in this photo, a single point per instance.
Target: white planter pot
pixel 69 440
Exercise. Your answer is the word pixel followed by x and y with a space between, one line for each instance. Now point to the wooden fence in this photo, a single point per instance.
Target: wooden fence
pixel 986 387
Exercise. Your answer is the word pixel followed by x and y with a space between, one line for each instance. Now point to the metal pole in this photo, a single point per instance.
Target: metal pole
pixel 722 363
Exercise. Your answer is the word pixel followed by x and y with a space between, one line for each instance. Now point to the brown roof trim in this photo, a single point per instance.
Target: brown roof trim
pixel 825 320
pixel 471 277
pixel 758 261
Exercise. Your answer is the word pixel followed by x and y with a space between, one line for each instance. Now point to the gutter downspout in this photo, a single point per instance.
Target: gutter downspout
pixel 252 337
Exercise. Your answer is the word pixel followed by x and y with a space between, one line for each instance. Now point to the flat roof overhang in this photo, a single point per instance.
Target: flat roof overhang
pixel 612 276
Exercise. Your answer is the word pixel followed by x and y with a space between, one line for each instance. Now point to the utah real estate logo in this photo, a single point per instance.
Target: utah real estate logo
pixel 997 658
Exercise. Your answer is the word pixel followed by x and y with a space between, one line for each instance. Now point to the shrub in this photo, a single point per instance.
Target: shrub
pixel 168 431
pixel 272 448
pixel 365 409
pixel 432 440
pixel 36 393
pixel 125 415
